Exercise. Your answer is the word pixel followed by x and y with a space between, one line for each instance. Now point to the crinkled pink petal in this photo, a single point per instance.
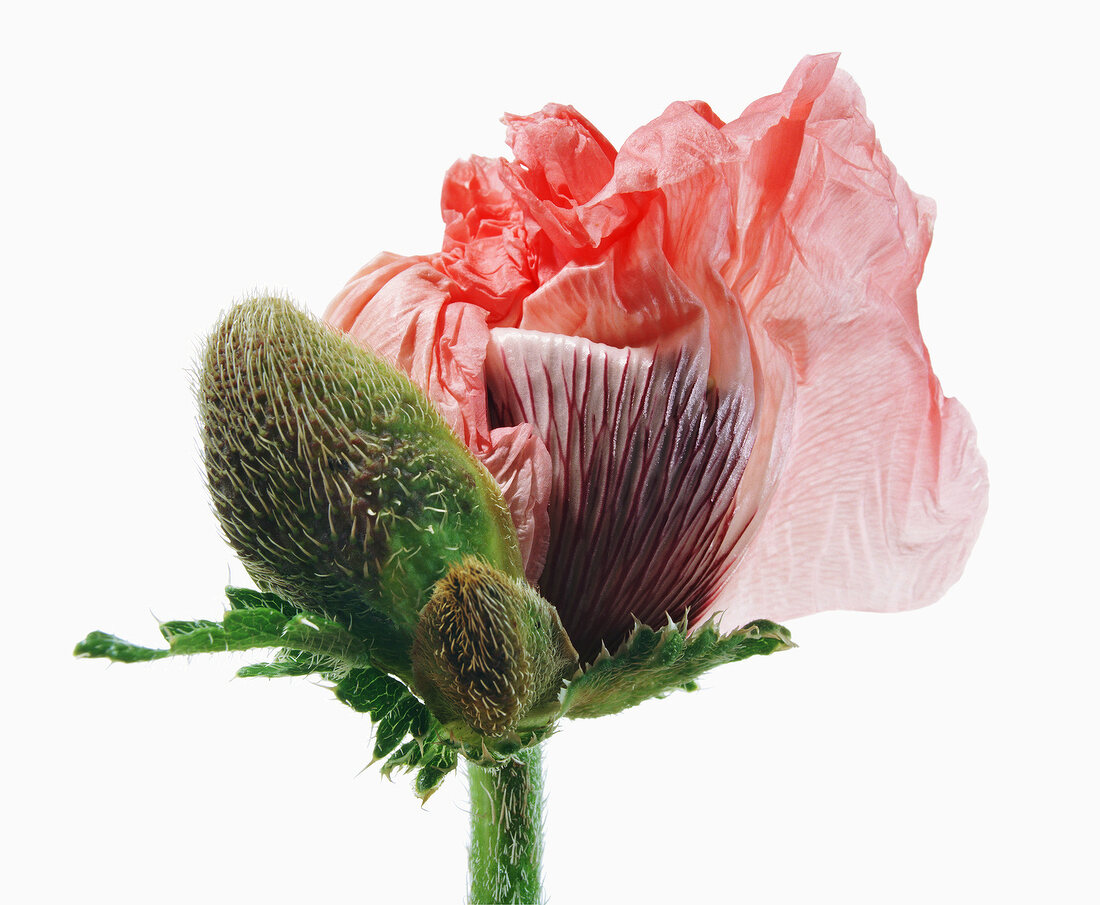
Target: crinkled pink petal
pixel 485 243
pixel 510 224
pixel 518 461
pixel 882 490
pixel 631 297
pixel 565 158
pixel 561 162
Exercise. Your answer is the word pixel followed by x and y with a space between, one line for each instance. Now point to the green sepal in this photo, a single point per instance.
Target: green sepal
pixel 336 480
pixel 651 663
pixel 497 751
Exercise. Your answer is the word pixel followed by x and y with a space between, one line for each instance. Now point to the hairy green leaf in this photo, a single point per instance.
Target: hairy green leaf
pixel 249 623
pixel 404 728
pixel 291 663
pixel 651 663
pixel 437 763
pixel 247 599
pixel 307 644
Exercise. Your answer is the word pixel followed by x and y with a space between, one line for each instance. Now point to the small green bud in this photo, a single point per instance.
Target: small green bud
pixel 489 650
pixel 336 481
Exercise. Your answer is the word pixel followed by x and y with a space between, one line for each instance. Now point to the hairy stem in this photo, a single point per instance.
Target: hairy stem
pixel 506 831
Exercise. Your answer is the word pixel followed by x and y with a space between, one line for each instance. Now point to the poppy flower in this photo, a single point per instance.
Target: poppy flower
pixel 693 364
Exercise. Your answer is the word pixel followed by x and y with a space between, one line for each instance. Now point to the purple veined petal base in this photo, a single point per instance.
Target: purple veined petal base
pixel 646 460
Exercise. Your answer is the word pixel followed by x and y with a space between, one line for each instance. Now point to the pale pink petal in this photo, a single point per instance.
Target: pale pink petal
pixel 882 491
pixel 348 305
pixel 518 461
pixel 769 138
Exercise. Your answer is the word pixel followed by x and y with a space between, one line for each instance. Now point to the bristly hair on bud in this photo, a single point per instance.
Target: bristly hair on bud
pixel 489 650
pixel 335 480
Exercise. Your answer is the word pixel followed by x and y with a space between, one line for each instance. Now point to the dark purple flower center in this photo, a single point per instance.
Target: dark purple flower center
pixel 646 461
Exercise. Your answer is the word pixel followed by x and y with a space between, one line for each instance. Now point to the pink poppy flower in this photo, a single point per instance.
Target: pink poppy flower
pixel 693 364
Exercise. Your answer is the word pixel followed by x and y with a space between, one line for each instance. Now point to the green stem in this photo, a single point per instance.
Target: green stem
pixel 506 831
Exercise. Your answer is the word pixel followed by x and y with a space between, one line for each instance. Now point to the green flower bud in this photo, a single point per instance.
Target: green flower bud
pixel 489 650
pixel 336 481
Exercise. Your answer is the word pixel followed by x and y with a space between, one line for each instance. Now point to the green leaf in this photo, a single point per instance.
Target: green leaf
pixel 395 725
pixel 169 630
pixel 247 599
pixel 290 663
pixel 100 644
pixel 432 760
pixel 652 663
pixel 404 727
pixel 407 756
pixel 396 712
pixel 248 624
pixel 324 636
pixel 434 770
pixel 369 690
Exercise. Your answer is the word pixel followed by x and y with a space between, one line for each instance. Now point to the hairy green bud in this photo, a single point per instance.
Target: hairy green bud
pixel 490 652
pixel 335 480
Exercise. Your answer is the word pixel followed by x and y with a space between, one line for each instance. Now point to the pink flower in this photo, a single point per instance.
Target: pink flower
pixel 693 365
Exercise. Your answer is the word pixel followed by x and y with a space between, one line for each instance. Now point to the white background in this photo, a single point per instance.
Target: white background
pixel 159 161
